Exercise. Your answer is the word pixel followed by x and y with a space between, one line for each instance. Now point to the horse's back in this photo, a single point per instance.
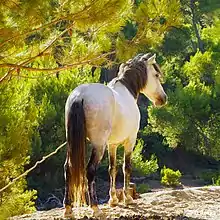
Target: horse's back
pixel 98 105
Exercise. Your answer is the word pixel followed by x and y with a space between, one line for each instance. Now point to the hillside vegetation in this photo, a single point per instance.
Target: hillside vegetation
pixel 47 48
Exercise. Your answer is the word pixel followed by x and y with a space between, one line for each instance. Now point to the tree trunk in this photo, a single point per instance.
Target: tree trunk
pixel 194 22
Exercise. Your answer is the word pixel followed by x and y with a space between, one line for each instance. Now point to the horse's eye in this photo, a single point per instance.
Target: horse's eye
pixel 157 75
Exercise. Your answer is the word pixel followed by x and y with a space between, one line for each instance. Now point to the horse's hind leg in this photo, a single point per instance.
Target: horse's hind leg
pixel 127 168
pixel 112 151
pixel 67 197
pixel 96 156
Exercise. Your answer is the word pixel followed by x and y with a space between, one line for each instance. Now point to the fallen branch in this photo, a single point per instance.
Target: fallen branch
pixel 32 168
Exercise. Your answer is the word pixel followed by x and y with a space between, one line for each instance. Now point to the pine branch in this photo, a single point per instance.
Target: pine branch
pixel 38 55
pixel 31 31
pixel 46 48
pixel 18 67
pixel 4 77
pixel 69 17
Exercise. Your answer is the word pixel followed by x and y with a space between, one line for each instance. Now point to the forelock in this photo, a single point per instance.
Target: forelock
pixel 135 64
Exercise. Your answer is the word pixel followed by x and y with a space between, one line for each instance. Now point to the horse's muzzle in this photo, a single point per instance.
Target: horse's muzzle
pixel 161 100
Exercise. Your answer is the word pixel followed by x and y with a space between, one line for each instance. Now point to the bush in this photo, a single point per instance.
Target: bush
pixel 170 177
pixel 140 166
pixel 18 202
pixel 143 188
pixel 211 177
pixel 143 167
pixel 216 181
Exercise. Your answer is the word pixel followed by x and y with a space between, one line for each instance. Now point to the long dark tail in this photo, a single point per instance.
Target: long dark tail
pixel 76 144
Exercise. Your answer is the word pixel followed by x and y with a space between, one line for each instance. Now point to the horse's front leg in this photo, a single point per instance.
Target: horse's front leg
pixel 112 151
pixel 127 169
pixel 96 156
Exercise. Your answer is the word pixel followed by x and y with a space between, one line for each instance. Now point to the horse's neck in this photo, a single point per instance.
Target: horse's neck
pixel 121 90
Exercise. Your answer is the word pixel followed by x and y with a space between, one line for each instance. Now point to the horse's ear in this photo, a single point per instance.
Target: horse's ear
pixel 121 67
pixel 152 59
pixel 149 60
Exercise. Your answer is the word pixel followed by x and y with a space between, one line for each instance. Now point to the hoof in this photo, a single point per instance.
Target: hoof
pixel 96 212
pixel 113 202
pixel 67 212
pixel 129 200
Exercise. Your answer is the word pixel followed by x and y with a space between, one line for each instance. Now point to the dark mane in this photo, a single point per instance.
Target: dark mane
pixel 133 77
pixel 133 74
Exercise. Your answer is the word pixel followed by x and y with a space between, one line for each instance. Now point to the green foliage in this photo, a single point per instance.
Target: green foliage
pixel 216 181
pixel 18 118
pixel 151 20
pixel 49 97
pixel 201 68
pixel 143 167
pixel 17 202
pixel 170 177
pixel 143 188
pixel 211 177
pixel 184 34
pixel 61 32
pixel 66 32
pixel 192 108
pixel 209 6
pixel 177 40
pixel 211 36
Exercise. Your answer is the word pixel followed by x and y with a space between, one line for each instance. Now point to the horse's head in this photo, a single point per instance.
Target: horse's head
pixel 142 75
pixel 153 88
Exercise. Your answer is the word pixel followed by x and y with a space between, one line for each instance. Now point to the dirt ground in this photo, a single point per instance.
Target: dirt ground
pixel 182 204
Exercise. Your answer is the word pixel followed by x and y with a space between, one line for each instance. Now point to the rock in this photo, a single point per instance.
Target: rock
pixel 182 204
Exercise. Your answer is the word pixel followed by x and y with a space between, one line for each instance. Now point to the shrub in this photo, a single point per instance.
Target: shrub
pixel 18 202
pixel 140 167
pixel 170 177
pixel 211 177
pixel 143 167
pixel 143 188
pixel 216 181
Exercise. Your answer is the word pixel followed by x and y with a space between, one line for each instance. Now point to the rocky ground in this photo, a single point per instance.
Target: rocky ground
pixel 187 203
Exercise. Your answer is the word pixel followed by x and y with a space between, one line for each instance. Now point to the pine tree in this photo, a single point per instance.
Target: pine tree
pixel 17 120
pixel 45 35
pixel 191 118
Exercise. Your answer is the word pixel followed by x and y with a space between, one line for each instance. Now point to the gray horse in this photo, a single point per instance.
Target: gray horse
pixel 108 116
